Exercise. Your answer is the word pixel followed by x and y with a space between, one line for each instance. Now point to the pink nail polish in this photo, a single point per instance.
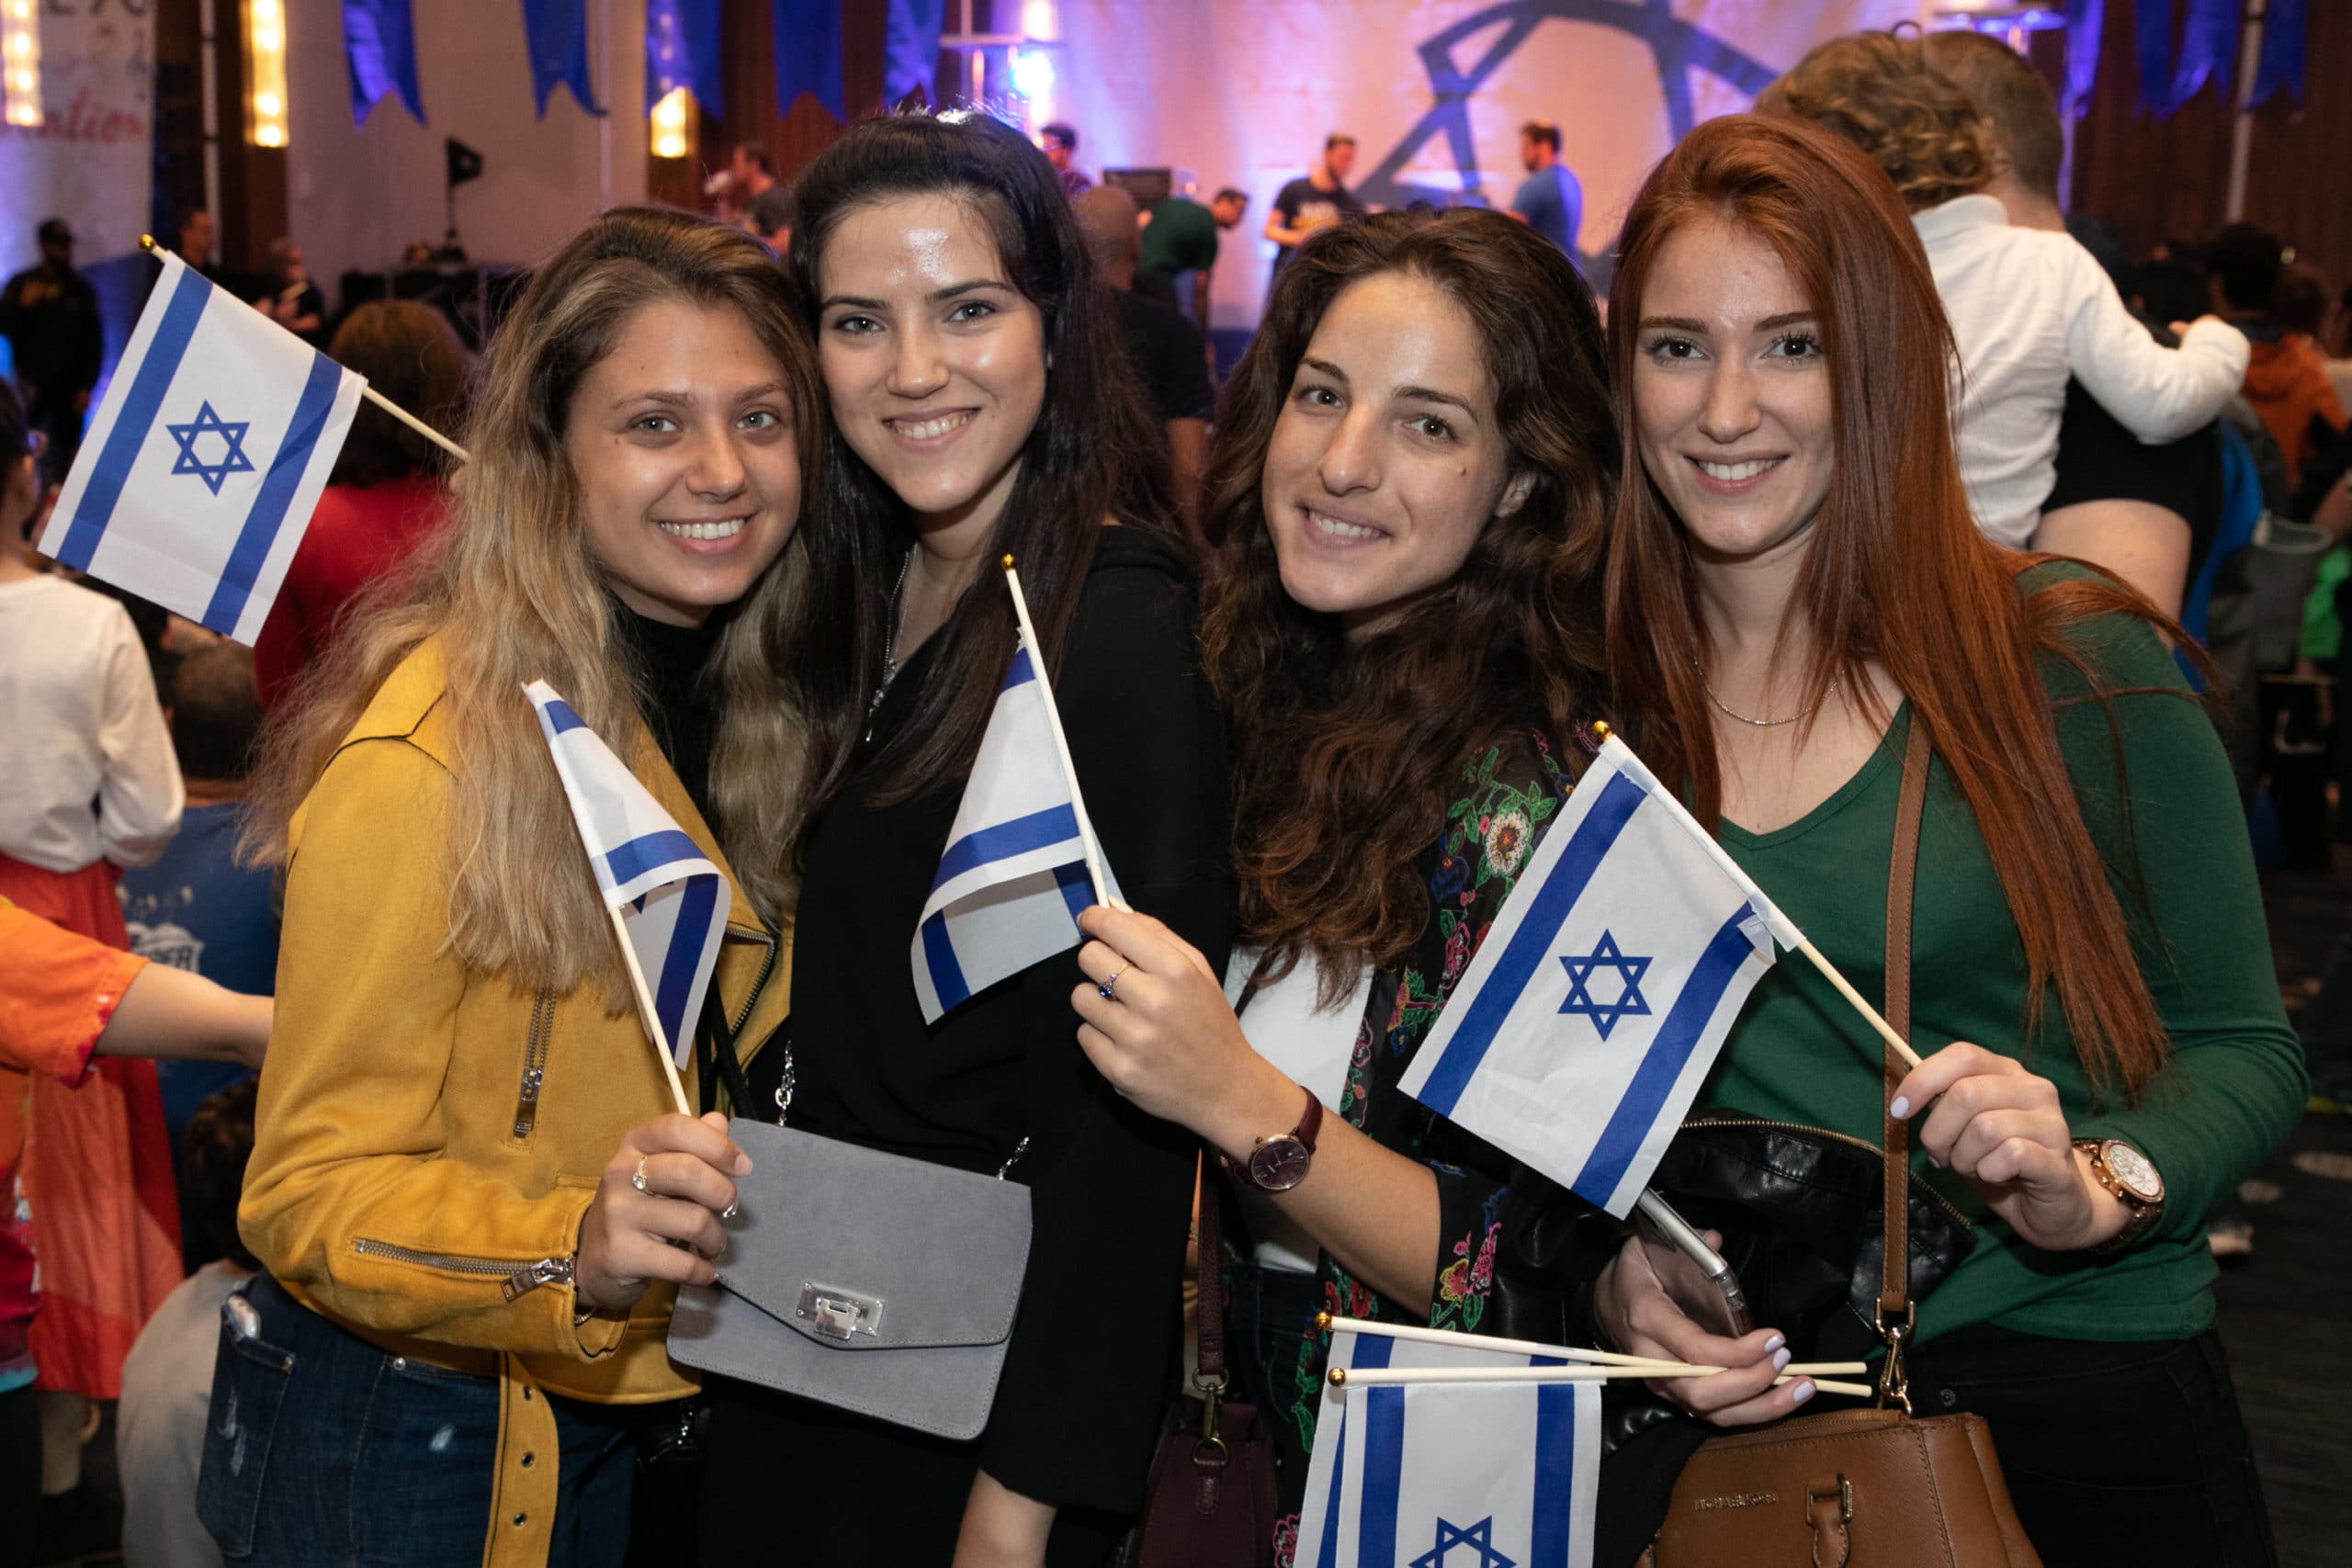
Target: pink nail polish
pixel 1804 1391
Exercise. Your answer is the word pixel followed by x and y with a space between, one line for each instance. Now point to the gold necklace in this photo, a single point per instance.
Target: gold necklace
pixel 1730 712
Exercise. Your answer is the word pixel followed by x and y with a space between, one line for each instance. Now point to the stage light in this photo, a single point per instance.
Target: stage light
pixel 265 119
pixel 673 113
pixel 20 64
pixel 1033 72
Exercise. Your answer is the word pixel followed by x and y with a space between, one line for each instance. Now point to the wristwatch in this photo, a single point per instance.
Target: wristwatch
pixel 1280 1163
pixel 2133 1178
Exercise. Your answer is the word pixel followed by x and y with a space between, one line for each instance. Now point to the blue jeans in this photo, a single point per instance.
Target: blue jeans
pixel 321 1450
pixel 1269 1314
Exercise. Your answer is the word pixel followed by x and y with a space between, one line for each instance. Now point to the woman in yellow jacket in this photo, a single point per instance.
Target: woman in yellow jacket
pixel 469 1203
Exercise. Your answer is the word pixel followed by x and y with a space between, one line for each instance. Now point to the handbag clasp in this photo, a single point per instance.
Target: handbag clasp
pixel 839 1313
pixel 1894 1377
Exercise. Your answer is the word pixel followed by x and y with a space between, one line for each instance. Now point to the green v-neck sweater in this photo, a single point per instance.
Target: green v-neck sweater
pixel 2235 1083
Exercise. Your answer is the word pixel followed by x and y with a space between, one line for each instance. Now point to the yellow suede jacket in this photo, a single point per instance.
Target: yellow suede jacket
pixel 428 1136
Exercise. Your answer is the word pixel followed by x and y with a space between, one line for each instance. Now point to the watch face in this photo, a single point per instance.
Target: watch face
pixel 2134 1170
pixel 1279 1164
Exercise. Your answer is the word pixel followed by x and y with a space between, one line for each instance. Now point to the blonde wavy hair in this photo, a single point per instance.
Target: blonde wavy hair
pixel 1877 90
pixel 514 594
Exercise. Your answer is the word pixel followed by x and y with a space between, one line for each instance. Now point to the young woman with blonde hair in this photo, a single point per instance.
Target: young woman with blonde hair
pixel 468 1199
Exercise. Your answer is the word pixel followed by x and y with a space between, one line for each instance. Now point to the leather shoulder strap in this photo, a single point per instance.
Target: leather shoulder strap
pixel 1902 876
pixel 1209 1265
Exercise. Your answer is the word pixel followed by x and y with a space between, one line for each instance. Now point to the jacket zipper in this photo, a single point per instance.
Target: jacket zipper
pixel 1940 1201
pixel 767 967
pixel 516 1279
pixel 535 1063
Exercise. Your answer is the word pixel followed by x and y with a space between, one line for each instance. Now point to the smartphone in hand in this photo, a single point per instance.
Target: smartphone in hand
pixel 1695 1276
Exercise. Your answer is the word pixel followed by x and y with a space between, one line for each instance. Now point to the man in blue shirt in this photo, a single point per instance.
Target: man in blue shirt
pixel 1550 201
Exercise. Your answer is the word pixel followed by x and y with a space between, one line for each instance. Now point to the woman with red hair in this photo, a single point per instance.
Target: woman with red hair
pixel 1794 588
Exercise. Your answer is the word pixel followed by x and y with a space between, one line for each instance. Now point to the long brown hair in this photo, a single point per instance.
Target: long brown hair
pixel 410 353
pixel 1093 454
pixel 1896 573
pixel 1345 757
pixel 516 595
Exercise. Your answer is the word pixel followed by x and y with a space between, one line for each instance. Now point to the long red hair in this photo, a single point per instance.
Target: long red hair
pixel 1897 572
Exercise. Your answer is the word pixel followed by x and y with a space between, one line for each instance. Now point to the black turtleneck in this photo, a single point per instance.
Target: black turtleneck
pixel 678 708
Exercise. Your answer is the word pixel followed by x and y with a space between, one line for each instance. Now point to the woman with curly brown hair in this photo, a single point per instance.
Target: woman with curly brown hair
pixel 1405 508
pixel 2027 309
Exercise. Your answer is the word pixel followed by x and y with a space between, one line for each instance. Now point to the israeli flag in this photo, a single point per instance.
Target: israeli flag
pixel 1013 880
pixel 1595 1007
pixel 207 456
pixel 1449 1474
pixel 672 899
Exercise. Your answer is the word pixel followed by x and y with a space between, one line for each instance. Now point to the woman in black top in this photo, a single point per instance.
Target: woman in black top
pixel 980 408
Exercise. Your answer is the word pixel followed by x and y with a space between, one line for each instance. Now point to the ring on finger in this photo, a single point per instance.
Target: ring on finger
pixel 1108 989
pixel 636 1177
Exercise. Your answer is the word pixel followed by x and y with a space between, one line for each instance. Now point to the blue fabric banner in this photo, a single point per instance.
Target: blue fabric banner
pixel 809 54
pixel 2209 52
pixel 910 48
pixel 2085 21
pixel 2280 63
pixel 558 35
pixel 682 50
pixel 379 47
pixel 2151 39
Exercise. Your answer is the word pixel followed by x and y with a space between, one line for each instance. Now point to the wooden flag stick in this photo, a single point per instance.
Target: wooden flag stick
pixel 1396 1377
pixel 147 242
pixel 1901 1046
pixel 645 1010
pixel 1094 873
pixel 1331 1323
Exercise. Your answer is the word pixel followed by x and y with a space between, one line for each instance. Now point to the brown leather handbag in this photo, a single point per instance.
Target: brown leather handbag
pixel 1861 1487
pixel 1210 1499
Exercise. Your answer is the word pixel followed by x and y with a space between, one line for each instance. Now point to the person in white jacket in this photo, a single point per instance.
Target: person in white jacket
pixel 2027 309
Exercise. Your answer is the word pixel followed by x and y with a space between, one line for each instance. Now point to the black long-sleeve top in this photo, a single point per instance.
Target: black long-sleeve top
pixel 1086 1376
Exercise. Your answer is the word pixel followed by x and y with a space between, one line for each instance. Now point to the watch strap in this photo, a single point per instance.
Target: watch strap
pixel 2142 1212
pixel 1310 1121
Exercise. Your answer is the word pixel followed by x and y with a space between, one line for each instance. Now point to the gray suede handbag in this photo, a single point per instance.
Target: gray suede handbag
pixel 865 1281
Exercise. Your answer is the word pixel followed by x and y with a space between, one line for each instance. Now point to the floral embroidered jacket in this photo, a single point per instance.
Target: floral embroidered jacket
pixel 1508 796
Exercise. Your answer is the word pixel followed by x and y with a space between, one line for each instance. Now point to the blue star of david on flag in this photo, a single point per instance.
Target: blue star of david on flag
pixel 1479 1538
pixel 1629 1003
pixel 232 436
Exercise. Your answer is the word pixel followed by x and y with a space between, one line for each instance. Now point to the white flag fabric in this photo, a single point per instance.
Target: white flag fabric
pixel 672 899
pixel 206 460
pixel 1449 1474
pixel 1583 1028
pixel 1013 881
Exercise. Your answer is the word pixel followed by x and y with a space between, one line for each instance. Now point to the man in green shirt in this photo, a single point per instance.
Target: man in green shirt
pixel 1179 250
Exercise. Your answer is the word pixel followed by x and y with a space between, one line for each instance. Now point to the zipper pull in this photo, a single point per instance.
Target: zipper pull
pixel 531 1276
pixel 526 1102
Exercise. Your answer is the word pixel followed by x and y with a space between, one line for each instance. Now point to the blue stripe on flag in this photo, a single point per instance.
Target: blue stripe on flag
pixel 1077 888
pixel 1669 1049
pixel 1004 840
pixel 135 421
pixel 1555 1476
pixel 1383 1474
pixel 644 853
pixel 561 718
pixel 678 966
pixel 276 495
pixel 1370 1350
pixel 939 956
pixel 1022 671
pixel 1530 944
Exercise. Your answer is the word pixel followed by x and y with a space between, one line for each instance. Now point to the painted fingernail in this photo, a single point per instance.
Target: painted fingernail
pixel 1774 1343
pixel 1900 1109
pixel 1779 1359
pixel 1803 1392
